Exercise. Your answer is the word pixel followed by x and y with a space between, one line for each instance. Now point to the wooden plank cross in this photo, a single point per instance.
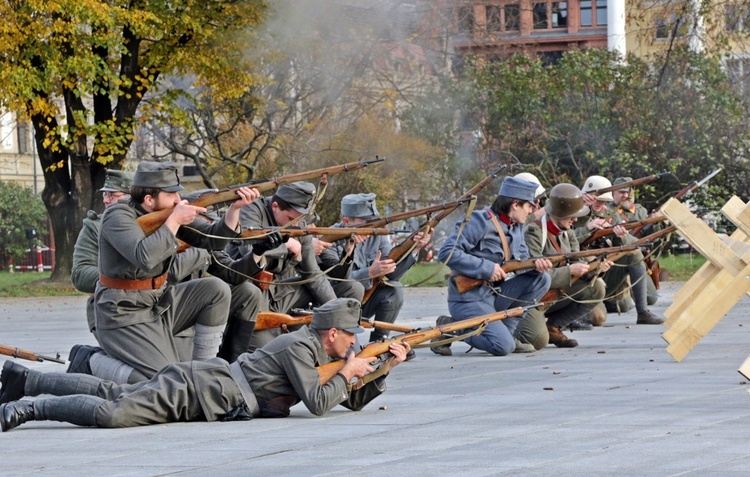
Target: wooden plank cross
pixel 719 284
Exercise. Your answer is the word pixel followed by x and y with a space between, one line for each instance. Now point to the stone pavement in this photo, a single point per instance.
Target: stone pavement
pixel 617 405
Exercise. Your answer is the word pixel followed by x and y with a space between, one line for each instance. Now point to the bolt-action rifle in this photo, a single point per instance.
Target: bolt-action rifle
pixel 629 184
pixel 465 284
pixel 272 320
pixel 679 195
pixel 555 293
pixel 30 355
pixel 632 225
pixel 407 245
pixel 329 370
pixel 153 220
pixel 336 233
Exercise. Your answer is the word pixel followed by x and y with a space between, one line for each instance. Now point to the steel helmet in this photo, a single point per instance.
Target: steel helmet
pixel 565 201
pixel 595 183
pixel 529 177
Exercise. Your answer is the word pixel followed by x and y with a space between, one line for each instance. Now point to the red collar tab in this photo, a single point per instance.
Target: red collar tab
pixel 552 228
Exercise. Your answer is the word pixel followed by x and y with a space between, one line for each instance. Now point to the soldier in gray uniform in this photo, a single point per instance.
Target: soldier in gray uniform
pixel 137 311
pixel 553 234
pixel 293 262
pixel 263 384
pixel 367 257
pixel 85 275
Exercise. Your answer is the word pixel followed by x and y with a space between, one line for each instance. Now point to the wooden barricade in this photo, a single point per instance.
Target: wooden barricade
pixel 719 284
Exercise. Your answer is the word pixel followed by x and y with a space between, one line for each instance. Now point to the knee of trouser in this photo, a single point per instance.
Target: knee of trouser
pixel 598 315
pixel 390 297
pixel 246 300
pixel 109 415
pixel 598 290
pixel 351 290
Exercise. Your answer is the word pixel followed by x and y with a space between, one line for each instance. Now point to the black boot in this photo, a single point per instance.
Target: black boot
pixel 236 340
pixel 15 413
pixel 13 379
pixel 80 358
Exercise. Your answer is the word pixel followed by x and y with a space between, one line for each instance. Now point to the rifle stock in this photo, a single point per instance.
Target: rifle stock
pixel 29 355
pixel 465 284
pixel 153 220
pixel 329 370
pixel 272 320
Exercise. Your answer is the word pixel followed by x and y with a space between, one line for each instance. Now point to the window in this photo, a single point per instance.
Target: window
pixel 593 13
pixel 501 19
pixel 671 24
pixel 737 18
pixel 22 129
pixel 550 15
pixel 738 71
pixel 466 20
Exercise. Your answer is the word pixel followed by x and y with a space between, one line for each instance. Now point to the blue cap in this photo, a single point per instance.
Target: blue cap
pixel 359 205
pixel 518 189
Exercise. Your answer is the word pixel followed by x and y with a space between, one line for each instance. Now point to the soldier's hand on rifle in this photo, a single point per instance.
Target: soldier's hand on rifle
pixel 381 267
pixel 498 273
pixel 589 199
pixel 422 240
pixel 399 350
pixel 184 213
pixel 578 269
pixel 605 265
pixel 596 224
pixel 294 248
pixel 543 265
pixel 320 245
pixel 272 241
pixel 246 196
pixel 620 231
pixel 356 367
pixel 353 241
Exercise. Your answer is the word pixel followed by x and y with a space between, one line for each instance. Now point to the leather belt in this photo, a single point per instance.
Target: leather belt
pixel 124 284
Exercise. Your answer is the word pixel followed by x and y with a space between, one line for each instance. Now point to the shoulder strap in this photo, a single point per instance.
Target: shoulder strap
pixel 506 249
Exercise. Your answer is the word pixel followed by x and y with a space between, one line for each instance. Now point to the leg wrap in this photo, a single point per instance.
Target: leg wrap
pixel 111 369
pixel 61 384
pixel 78 410
pixel 206 342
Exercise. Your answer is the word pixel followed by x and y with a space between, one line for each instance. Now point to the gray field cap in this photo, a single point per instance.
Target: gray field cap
pixel 299 195
pixel 117 181
pixel 622 180
pixel 341 313
pixel 359 205
pixel 158 175
pixel 518 189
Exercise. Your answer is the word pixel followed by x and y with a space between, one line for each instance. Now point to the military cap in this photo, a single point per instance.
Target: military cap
pixel 299 195
pixel 359 205
pixel 158 175
pixel 518 189
pixel 341 313
pixel 622 180
pixel 117 181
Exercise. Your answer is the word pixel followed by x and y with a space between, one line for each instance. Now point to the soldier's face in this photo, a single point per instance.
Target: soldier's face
pixel 519 211
pixel 621 196
pixel 598 205
pixel 342 341
pixel 566 224
pixel 110 198
pixel 283 217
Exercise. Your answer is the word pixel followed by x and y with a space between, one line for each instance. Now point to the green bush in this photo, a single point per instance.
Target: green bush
pixel 19 210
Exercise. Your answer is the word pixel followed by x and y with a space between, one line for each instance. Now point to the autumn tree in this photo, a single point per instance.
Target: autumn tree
pixel 20 209
pixel 85 72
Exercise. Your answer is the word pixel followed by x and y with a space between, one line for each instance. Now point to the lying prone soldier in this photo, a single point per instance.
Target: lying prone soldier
pixel 265 383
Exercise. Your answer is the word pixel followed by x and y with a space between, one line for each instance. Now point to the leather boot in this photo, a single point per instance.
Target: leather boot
pixel 442 350
pixel 648 318
pixel 15 413
pixel 236 340
pixel 580 325
pixel 13 380
pixel 557 338
pixel 79 358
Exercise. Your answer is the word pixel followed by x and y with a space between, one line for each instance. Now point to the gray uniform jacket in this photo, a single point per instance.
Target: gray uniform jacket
pixel 286 367
pixel 125 252
pixel 567 241
pixel 364 255
pixel 85 272
pixel 477 251
pixel 279 261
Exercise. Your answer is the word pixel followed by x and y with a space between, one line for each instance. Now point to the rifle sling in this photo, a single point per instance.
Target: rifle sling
pixel 443 341
pixel 503 239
